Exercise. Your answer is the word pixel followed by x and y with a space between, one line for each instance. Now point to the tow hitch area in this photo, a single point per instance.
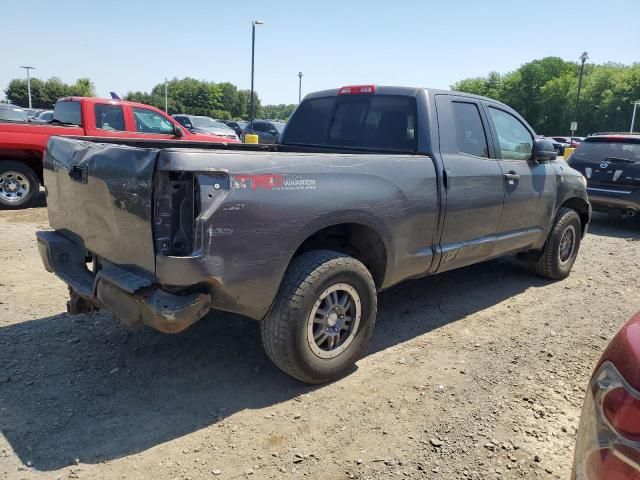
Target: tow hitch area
pixel 131 297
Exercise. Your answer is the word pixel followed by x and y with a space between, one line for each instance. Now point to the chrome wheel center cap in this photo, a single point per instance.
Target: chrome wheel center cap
pixel 332 319
pixel 12 186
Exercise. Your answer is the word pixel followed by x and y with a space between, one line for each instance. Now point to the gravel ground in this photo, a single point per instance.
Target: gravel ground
pixel 473 374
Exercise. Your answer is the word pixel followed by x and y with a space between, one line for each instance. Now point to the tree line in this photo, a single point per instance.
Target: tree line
pixel 544 93
pixel 187 95
pixel 45 93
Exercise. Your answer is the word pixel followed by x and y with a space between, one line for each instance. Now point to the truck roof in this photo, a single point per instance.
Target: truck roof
pixel 404 91
pixel 103 100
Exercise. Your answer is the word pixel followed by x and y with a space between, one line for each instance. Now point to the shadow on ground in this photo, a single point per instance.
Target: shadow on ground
pixel 84 387
pixel 607 225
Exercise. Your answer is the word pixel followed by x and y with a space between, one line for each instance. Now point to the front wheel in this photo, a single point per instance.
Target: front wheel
pixel 322 318
pixel 560 251
pixel 18 184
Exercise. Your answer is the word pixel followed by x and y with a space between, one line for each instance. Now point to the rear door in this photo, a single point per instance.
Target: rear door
pixel 474 190
pixel 530 187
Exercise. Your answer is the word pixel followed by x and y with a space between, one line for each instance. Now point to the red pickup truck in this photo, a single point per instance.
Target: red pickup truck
pixel 22 144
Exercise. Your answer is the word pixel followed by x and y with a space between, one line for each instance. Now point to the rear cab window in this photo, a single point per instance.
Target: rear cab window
pixel 381 122
pixel 67 112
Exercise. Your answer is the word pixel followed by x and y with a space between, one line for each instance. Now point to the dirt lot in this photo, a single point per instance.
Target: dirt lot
pixel 477 373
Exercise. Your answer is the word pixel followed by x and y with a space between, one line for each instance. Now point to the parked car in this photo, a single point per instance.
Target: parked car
pixel 44 116
pixel 12 113
pixel 22 146
pixel 32 112
pixel 557 145
pixel 236 125
pixel 611 164
pixel 368 186
pixel 205 125
pixel 267 132
pixel 568 141
pixel 608 439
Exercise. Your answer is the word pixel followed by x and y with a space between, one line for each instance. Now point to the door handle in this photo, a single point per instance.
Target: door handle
pixel 511 177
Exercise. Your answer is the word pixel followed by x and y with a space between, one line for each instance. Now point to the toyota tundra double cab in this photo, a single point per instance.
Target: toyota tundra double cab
pixel 369 186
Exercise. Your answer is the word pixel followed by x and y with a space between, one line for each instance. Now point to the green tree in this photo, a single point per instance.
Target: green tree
pixel 544 92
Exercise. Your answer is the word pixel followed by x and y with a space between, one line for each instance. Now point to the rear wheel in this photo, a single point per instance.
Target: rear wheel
pixel 18 184
pixel 322 318
pixel 561 249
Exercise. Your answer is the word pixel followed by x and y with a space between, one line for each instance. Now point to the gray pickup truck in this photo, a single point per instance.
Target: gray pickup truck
pixel 369 186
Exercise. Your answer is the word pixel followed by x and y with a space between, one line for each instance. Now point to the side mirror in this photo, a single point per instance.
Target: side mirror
pixel 543 150
pixel 177 131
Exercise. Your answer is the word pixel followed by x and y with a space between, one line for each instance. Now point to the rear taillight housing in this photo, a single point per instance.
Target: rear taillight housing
pixel 357 90
pixel 608 441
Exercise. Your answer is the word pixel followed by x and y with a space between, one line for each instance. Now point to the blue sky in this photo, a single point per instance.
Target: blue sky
pixel 133 45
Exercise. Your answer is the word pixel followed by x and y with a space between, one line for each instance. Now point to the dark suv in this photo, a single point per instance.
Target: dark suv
pixel 268 132
pixel 611 164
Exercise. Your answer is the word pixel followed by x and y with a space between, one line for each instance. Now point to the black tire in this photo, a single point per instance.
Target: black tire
pixel 10 170
pixel 553 262
pixel 285 333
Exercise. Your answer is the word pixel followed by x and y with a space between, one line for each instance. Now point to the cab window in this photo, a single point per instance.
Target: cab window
pixel 109 117
pixel 470 135
pixel 148 121
pixel 516 142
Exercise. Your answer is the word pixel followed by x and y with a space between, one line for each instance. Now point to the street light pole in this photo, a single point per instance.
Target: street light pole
pixel 253 50
pixel 584 57
pixel 300 87
pixel 615 126
pixel 27 68
pixel 166 97
pixel 633 117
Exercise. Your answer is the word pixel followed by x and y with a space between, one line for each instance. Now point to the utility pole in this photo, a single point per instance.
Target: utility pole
pixel 633 117
pixel 584 57
pixel 253 50
pixel 27 68
pixel 615 126
pixel 300 87
pixel 166 97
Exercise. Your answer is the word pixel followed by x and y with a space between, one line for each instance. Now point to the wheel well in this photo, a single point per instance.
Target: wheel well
pixel 32 162
pixel 354 239
pixel 581 207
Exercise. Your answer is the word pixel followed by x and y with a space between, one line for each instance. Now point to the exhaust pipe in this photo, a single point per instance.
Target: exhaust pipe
pixel 629 212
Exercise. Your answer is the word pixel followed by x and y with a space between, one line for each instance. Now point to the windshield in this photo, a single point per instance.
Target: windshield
pixel 13 114
pixel 209 123
pixel 279 126
pixel 603 150
pixel 385 122
pixel 67 112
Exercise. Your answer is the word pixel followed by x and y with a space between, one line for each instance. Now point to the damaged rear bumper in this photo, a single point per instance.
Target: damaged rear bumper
pixel 133 298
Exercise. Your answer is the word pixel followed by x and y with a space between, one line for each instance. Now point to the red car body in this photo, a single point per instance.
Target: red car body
pixel 25 143
pixel 608 440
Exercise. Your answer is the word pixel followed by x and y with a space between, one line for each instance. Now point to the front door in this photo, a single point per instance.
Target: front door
pixel 474 182
pixel 530 187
